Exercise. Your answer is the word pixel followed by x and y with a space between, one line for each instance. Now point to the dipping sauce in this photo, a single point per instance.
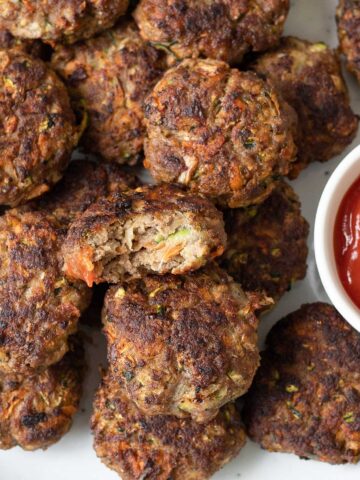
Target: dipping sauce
pixel 347 242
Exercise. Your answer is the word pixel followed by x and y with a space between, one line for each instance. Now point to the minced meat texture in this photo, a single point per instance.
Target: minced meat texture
pixel 37 410
pixel 161 447
pixel 110 76
pixel 305 398
pixel 60 20
pixel 308 75
pixel 219 29
pixel 38 129
pixel 84 183
pixel 182 345
pixel 154 229
pixel 39 307
pixel 267 244
pixel 348 20
pixel 220 132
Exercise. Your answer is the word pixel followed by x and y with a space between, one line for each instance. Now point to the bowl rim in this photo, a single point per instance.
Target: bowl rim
pixel 343 177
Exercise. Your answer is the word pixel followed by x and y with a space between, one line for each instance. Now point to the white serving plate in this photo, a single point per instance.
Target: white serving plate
pixel 73 457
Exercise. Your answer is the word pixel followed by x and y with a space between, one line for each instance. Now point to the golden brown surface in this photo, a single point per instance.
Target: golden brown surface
pixel 309 77
pixel 348 21
pixel 84 183
pixel 37 131
pixel 39 308
pixel 37 410
pixel 220 29
pixel 219 131
pixel 59 20
pixel 306 395
pixel 267 244
pixel 157 229
pixel 161 447
pixel 182 345
pixel 110 76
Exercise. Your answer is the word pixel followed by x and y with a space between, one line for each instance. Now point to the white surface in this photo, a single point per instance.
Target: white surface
pixel 339 183
pixel 73 458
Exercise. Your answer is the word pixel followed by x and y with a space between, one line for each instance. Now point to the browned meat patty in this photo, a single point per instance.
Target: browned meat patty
pixel 219 29
pixel 38 131
pixel 161 447
pixel 309 77
pixel 182 345
pixel 157 229
pixel 219 131
pixel 110 76
pixel 267 248
pixel 59 20
pixel 348 21
pixel 84 183
pixel 306 395
pixel 37 410
pixel 39 307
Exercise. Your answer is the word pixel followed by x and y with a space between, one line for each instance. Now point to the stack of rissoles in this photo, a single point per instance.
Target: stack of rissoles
pixel 220 109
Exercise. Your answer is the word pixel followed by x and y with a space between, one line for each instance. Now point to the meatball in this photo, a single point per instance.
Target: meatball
pixel 110 76
pixel 157 229
pixel 267 248
pixel 219 131
pixel 59 20
pixel 219 29
pixel 37 410
pixel 308 75
pixel 348 21
pixel 39 307
pixel 38 131
pixel 306 395
pixel 161 447
pixel 84 183
pixel 182 345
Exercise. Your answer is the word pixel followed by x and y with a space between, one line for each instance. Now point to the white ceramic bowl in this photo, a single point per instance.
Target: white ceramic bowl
pixel 339 183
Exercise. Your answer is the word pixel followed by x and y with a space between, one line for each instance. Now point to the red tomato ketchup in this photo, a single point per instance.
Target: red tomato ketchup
pixel 347 242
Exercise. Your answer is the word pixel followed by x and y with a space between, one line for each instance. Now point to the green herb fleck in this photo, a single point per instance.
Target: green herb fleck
pixel 160 310
pixel 249 143
pixel 349 417
pixel 110 405
pixel 291 388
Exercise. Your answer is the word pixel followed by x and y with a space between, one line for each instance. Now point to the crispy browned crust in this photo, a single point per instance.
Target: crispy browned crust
pixel 182 345
pixel 348 22
pixel 306 395
pixel 84 183
pixel 219 29
pixel 309 77
pixel 60 20
pixel 39 307
pixel 110 76
pixel 219 131
pixel 267 244
pixel 161 447
pixel 38 131
pixel 37 410
pixel 145 201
